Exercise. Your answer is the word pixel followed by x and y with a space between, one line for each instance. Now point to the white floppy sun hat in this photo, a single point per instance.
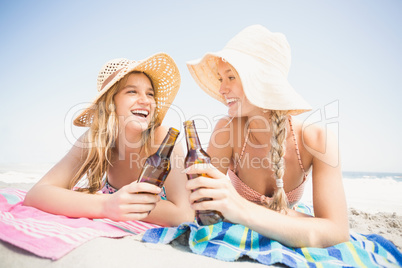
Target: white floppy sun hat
pixel 262 60
pixel 160 68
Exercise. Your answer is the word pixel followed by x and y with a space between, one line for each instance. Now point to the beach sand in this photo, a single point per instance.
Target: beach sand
pixel 131 252
pixel 388 225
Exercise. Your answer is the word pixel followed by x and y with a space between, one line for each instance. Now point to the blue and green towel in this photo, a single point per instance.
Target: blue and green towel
pixel 229 242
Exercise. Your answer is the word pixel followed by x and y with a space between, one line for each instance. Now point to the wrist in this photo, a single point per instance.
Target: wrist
pixel 102 210
pixel 247 213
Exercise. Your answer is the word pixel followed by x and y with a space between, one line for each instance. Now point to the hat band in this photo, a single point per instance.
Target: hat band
pixel 110 78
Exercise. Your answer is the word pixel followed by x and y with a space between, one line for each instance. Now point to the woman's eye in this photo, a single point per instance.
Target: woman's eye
pixel 220 80
pixel 132 91
pixel 232 77
pixel 151 94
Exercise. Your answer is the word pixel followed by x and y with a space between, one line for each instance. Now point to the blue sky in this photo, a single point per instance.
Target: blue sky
pixel 345 56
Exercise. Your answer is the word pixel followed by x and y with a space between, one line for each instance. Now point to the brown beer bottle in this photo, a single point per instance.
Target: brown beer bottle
pixel 196 155
pixel 157 166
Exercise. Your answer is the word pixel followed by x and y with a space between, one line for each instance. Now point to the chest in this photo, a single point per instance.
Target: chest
pixel 256 169
pixel 125 171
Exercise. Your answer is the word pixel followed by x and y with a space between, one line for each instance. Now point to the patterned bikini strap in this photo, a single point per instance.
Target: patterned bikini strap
pixel 297 147
pixel 242 151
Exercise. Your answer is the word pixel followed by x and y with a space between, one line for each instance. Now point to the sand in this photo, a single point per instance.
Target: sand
pixel 388 225
pixel 121 252
pixel 131 252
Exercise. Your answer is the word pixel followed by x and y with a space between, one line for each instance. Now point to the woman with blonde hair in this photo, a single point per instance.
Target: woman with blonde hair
pixel 124 124
pixel 264 151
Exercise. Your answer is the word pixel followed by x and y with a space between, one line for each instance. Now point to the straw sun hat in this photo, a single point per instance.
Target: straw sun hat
pixel 160 68
pixel 262 60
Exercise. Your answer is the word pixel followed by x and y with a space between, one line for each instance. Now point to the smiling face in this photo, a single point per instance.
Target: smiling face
pixel 232 90
pixel 135 102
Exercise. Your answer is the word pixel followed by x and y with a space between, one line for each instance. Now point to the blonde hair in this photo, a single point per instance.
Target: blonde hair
pixel 278 148
pixel 102 136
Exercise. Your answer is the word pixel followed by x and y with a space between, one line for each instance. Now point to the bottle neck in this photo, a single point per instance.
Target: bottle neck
pixel 193 142
pixel 166 148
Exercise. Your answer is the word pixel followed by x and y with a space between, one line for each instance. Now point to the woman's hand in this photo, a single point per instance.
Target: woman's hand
pixel 132 202
pixel 225 198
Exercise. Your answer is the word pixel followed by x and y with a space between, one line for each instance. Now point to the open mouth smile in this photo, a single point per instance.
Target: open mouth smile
pixel 231 101
pixel 140 113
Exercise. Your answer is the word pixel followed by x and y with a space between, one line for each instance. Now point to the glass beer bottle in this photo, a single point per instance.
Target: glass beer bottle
pixel 196 155
pixel 157 166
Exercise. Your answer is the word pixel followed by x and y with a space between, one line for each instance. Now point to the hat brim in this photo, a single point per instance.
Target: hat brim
pixel 165 76
pixel 264 87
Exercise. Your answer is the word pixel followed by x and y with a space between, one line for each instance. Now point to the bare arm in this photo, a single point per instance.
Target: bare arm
pixel 51 194
pixel 330 224
pixel 327 228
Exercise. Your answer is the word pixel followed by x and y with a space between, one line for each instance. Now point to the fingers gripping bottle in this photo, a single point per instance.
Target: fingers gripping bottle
pixel 196 155
pixel 157 166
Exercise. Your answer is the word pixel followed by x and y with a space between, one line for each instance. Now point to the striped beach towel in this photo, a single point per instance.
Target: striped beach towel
pixel 229 242
pixel 53 236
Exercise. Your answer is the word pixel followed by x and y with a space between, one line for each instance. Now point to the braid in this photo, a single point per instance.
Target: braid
pixel 277 152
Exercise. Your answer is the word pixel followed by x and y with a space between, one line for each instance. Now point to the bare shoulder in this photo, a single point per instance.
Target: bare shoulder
pixel 77 154
pixel 221 133
pixel 79 148
pixel 227 130
pixel 224 123
pixel 313 136
pixel 320 142
pixel 63 171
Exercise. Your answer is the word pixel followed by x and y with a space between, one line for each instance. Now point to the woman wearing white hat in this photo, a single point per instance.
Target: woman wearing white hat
pixel 263 150
pixel 124 129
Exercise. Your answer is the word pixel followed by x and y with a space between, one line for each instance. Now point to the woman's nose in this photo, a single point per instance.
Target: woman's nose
pixel 223 88
pixel 143 98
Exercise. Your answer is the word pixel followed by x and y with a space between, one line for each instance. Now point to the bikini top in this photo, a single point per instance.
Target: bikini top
pixel 109 189
pixel 252 195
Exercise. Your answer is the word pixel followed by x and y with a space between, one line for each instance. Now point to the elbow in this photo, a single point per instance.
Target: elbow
pixel 33 196
pixel 328 239
pixel 181 215
pixel 26 203
pixel 340 237
pixel 344 236
pixel 187 215
pixel 28 200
